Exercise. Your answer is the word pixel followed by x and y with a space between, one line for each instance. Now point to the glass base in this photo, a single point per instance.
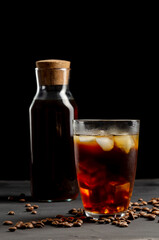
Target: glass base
pixel 50 200
pixel 98 215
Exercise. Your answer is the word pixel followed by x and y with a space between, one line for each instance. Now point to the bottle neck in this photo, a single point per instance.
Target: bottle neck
pixel 54 88
pixel 53 83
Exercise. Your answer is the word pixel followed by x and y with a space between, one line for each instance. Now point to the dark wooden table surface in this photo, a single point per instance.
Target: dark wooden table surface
pixel 140 228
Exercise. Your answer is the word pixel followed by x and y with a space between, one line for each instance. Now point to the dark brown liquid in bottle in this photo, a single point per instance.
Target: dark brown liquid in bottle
pixel 53 174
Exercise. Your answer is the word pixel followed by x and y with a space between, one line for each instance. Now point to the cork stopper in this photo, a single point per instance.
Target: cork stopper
pixel 53 72
pixel 52 63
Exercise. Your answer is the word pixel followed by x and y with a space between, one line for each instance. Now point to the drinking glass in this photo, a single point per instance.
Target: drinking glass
pixel 106 160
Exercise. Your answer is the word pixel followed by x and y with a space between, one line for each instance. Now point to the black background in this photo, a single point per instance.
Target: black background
pixel 114 62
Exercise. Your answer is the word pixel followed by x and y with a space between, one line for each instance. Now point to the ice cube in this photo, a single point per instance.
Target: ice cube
pixel 118 191
pixel 87 138
pixel 105 143
pixel 122 187
pixel 125 142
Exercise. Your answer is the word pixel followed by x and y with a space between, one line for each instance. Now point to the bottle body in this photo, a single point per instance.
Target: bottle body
pixel 53 174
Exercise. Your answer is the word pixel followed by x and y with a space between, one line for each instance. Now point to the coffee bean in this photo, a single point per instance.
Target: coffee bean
pixel 29 225
pixel 155 212
pixel 12 229
pixel 142 214
pixel 54 223
pixel 33 222
pixel 29 209
pixel 72 209
pixel 107 220
pixel 19 224
pixel 135 204
pixel 145 209
pixel 71 219
pixel 151 216
pixel 38 225
pixel 11 213
pixel 35 206
pixel 81 221
pixel 7 223
pixel 34 212
pixel 77 224
pixel 128 221
pixel 131 216
pixel 141 204
pixel 22 200
pixel 48 220
pixel 101 221
pixel 154 201
pixel 122 224
pixel 27 205
pixel 155 208
pixel 111 218
pixel 115 222
pixel 68 225
pixel 22 226
pixel 156 204
pixel 88 219
pixel 137 208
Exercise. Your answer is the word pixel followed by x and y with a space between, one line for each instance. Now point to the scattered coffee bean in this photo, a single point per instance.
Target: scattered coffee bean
pixel 7 223
pixel 29 209
pixel 128 221
pixel 155 208
pixel 101 221
pixel 151 216
pixel 77 224
pixel 156 204
pixel 39 225
pixel 35 206
pixel 134 211
pixel 19 224
pixel 71 211
pixel 145 209
pixel 137 208
pixel 11 213
pixel 34 212
pixel 122 224
pixel 54 223
pixel 22 200
pixel 142 214
pixel 156 212
pixel 115 222
pixel 27 205
pixel 29 225
pixel 140 199
pixel 131 216
pixel 12 229
pixel 81 221
pixel 135 204
pixel 107 220
pixel 68 225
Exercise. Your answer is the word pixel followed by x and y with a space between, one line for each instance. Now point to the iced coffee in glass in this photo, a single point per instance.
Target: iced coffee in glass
pixel 106 160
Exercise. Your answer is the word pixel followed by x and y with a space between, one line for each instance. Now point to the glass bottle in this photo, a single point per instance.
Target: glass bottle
pixel 53 174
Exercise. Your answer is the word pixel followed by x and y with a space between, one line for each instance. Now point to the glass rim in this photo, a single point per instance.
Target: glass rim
pixel 106 120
